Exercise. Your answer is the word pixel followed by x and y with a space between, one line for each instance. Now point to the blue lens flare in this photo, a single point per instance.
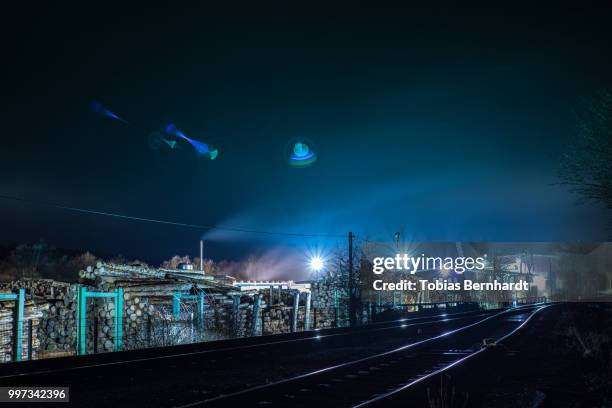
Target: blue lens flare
pixel 156 141
pixel 98 108
pixel 301 149
pixel 201 148
pixel 301 153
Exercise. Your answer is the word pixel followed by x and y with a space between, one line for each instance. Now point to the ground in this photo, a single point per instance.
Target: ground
pixel 563 359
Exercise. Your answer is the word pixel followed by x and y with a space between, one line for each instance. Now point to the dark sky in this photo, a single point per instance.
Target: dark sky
pixel 445 123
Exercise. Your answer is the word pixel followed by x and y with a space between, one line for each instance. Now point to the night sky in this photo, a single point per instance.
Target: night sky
pixel 445 123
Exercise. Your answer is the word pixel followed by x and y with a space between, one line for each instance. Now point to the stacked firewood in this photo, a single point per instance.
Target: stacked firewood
pixel 43 288
pixel 33 312
pixel 57 332
pixel 109 270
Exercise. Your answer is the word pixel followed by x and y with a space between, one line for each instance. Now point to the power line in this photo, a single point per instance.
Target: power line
pixel 165 222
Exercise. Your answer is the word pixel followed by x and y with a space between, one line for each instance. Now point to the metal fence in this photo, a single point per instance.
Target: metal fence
pixel 56 336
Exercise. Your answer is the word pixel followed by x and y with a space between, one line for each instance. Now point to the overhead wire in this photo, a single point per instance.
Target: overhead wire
pixel 165 222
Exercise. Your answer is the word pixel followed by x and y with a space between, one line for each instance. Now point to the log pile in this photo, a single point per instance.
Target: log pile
pixel 41 288
pixel 148 318
pixel 109 270
pixel 57 331
pixel 277 319
pixel 324 303
pixel 33 312
pixel 137 313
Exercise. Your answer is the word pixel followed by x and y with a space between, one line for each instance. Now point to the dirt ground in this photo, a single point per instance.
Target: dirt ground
pixel 562 360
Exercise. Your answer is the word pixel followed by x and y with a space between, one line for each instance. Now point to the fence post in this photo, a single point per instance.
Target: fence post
pixel 81 321
pixel 337 307
pixel 118 343
pixel 176 305
pixel 307 311
pixel 18 321
pixel 235 307
pixel 256 307
pixel 30 342
pixel 149 328
pixel 201 306
pixel 95 334
pixel 296 303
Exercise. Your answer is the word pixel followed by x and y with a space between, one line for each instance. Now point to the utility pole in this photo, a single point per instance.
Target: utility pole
pixel 202 255
pixel 351 284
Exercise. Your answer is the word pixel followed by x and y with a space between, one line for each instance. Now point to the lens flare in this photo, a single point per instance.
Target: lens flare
pixel 98 108
pixel 156 140
pixel 316 263
pixel 300 153
pixel 301 149
pixel 201 148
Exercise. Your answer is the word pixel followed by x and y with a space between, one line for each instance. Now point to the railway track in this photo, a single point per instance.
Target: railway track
pixel 368 380
pixel 427 324
pixel 210 372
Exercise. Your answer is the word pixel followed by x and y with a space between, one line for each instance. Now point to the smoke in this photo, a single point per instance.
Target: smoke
pixel 275 264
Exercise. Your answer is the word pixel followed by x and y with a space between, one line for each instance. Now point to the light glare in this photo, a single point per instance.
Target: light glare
pixel 316 263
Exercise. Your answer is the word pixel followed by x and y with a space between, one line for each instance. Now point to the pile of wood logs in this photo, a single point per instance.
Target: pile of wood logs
pixel 42 288
pixel 277 319
pixel 324 294
pixel 57 331
pixel 33 311
pixel 138 313
pixel 148 318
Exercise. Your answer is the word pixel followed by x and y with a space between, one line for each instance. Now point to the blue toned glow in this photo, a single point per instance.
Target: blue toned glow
pixel 300 153
pixel 170 143
pixel 171 129
pixel 301 149
pixel 98 108
pixel 200 147
pixel 296 161
pixel 316 260
pixel 156 140
pixel 316 263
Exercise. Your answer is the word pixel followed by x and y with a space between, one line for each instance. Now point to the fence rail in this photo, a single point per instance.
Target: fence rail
pixel 65 334
pixel 58 337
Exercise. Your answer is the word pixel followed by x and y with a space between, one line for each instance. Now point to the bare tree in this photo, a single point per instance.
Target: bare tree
pixel 173 262
pixel 587 165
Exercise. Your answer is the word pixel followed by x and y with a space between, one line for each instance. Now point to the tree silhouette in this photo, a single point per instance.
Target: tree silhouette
pixel 587 165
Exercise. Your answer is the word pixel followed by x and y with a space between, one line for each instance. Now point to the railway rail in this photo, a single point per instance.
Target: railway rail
pixel 371 379
pixel 235 345
pixel 220 373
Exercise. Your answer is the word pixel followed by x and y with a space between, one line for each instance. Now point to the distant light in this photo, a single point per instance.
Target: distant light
pixel 316 263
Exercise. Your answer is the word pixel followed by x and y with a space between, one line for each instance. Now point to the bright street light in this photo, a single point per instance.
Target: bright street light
pixel 316 263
